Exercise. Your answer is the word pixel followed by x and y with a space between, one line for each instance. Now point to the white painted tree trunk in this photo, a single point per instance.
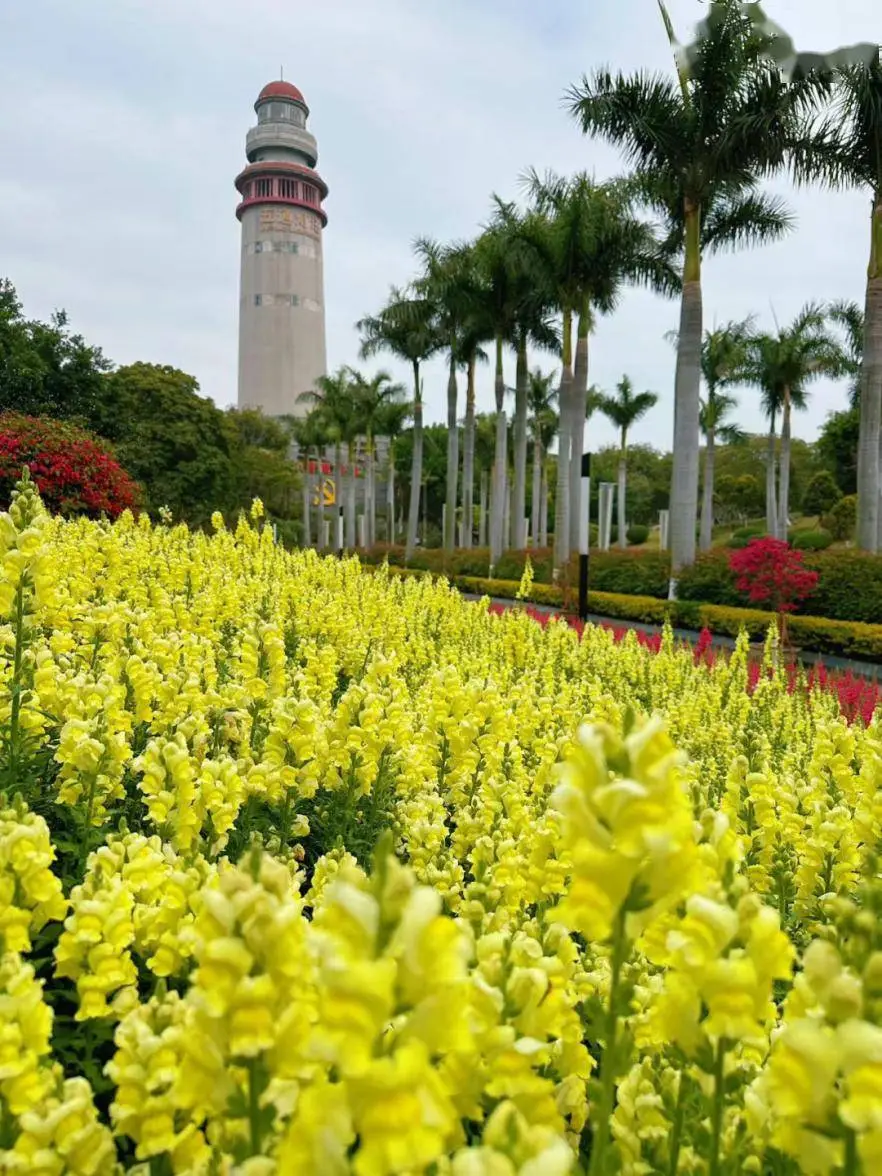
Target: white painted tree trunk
pixel 416 477
pixel 707 499
pixel 579 409
pixel 468 459
pixel 771 483
pixel 390 499
pixel 623 479
pixel 351 536
pixel 869 470
pixel 543 507
pixel 687 404
pixel 784 471
pixel 536 497
pixel 307 505
pixel 449 537
pixel 519 507
pixel 497 513
pixel 482 511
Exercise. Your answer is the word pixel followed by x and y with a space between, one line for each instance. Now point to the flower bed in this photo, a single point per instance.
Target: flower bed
pixel 310 870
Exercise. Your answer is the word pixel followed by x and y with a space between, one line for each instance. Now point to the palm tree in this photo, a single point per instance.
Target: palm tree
pixel 624 410
pixel 404 328
pixel 371 398
pixel 848 153
pixel 504 262
pixel 449 284
pixel 850 317
pixel 541 399
pixel 700 143
pixel 782 366
pixel 591 243
pixel 391 419
pixel 723 355
pixel 333 404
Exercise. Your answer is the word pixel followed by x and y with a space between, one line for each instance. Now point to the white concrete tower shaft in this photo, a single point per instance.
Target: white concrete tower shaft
pixel 281 293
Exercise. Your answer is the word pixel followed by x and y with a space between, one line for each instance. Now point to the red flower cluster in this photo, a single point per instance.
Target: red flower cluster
pixel 771 572
pixel 72 471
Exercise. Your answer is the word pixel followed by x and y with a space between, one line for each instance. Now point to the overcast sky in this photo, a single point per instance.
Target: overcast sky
pixel 123 126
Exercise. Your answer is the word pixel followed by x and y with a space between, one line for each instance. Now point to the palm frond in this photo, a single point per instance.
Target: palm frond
pixel 752 219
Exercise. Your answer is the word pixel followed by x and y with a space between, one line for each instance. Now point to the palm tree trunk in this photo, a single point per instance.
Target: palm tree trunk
pixel 707 500
pixel 390 496
pixel 416 470
pixel 307 506
pixel 577 433
pixel 522 384
pixel 319 483
pixel 869 527
pixel 468 457
pixel 351 531
pixel 482 511
pixel 562 496
pixel 623 485
pixel 536 496
pixel 543 506
pixel 338 493
pixel 500 462
pixel 452 458
pixel 687 406
pixel 771 479
pixel 371 512
pixel 784 472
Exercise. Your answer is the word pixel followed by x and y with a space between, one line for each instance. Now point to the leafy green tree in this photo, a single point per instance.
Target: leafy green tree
pixel 837 447
pixel 782 366
pixel 46 370
pixel 821 494
pixel 700 144
pixel 625 409
pixel 179 445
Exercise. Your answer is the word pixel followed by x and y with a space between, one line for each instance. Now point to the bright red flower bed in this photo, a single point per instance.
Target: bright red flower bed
pixel 858 697
pixel 73 472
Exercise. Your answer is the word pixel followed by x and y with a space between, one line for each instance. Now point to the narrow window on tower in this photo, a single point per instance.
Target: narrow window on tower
pixel 258 300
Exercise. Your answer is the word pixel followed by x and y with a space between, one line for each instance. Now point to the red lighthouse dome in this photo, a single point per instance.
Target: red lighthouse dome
pixel 283 90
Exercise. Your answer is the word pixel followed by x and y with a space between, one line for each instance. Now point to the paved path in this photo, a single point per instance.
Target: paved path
pixel 843 665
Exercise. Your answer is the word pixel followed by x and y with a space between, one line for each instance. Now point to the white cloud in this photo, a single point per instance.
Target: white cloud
pixel 127 127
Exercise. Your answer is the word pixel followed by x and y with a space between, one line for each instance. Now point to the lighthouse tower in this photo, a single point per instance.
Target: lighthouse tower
pixel 281 293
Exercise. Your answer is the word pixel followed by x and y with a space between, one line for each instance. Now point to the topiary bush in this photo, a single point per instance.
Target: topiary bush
pixel 842 519
pixel 637 534
pixel 821 494
pixel 74 472
pixel 812 540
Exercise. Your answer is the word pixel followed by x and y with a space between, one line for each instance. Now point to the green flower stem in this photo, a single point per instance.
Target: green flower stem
pixel 254 1107
pixel 677 1129
pixel 852 1165
pixel 15 690
pixel 717 1109
pixel 600 1141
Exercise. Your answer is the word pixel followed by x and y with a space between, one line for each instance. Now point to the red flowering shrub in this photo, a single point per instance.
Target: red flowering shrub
pixel 73 472
pixel 771 572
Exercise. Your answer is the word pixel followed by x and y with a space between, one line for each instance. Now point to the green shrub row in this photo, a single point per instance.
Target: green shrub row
pixel 819 634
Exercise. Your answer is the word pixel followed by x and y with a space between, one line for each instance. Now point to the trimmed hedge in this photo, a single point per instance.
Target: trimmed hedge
pixel 820 634
pixel 849 587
